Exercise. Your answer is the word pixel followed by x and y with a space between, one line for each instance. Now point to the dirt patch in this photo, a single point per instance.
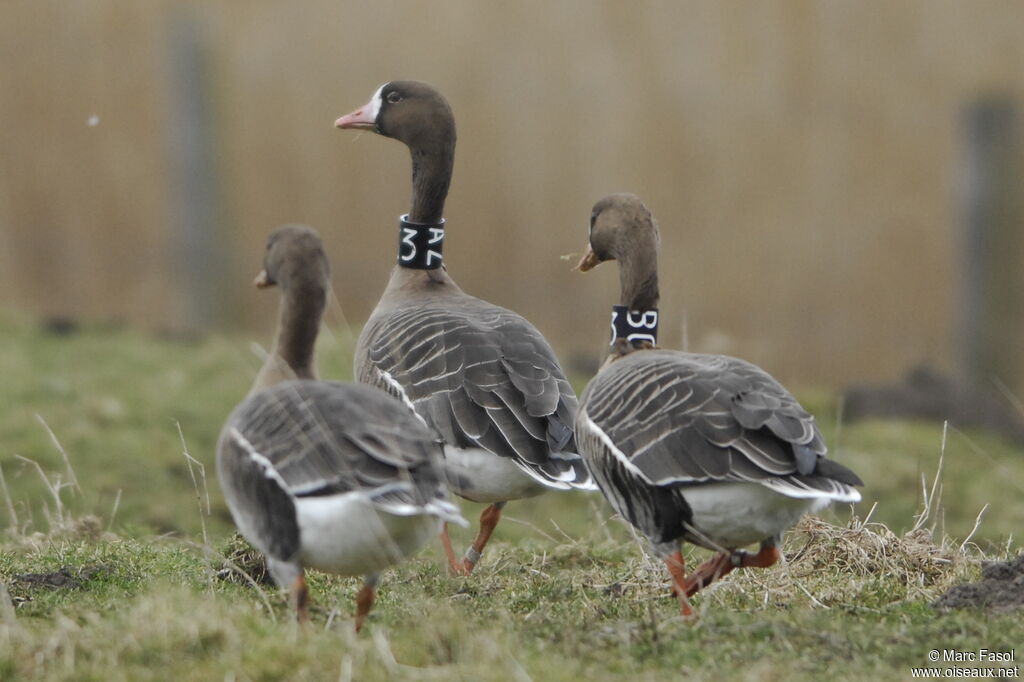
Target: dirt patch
pixel 1001 589
pixel 57 579
pixel 64 578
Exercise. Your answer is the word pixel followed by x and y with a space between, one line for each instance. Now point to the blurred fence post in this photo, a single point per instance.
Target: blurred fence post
pixel 992 297
pixel 196 202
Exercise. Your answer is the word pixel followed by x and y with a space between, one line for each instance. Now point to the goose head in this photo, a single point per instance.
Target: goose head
pixel 621 228
pixel 419 116
pixel 294 260
pixel 409 111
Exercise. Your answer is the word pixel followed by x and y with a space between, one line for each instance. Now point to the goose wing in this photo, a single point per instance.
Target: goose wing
pixel 483 377
pixel 680 418
pixel 306 438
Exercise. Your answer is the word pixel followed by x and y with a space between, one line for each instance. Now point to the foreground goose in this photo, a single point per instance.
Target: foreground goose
pixel 337 477
pixel 703 448
pixel 481 375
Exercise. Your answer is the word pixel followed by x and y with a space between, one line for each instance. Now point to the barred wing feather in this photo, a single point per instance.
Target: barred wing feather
pixel 482 376
pixel 682 418
pixel 326 438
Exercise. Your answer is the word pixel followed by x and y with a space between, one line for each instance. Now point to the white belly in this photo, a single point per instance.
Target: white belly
pixel 482 476
pixel 734 515
pixel 347 535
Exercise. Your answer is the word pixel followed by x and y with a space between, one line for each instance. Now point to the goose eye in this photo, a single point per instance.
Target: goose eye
pixel 394 97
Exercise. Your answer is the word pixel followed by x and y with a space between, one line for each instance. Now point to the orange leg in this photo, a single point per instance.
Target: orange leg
pixel 455 566
pixel 768 555
pixel 722 563
pixel 676 566
pixel 300 597
pixel 708 572
pixel 488 520
pixel 364 600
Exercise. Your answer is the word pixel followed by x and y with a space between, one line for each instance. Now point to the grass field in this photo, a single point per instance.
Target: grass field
pixel 94 431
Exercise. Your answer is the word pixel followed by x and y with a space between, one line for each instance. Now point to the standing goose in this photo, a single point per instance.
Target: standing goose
pixel 481 375
pixel 332 476
pixel 704 448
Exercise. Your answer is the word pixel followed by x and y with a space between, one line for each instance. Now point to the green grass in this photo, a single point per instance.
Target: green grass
pixel 564 592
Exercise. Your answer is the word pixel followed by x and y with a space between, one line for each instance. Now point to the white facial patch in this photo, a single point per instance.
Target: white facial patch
pixel 375 101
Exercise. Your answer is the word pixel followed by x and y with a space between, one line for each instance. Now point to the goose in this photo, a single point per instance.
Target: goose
pixel 322 474
pixel 480 375
pixel 708 449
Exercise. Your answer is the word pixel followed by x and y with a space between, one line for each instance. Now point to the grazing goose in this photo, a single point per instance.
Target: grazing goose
pixel 338 477
pixel 704 448
pixel 481 375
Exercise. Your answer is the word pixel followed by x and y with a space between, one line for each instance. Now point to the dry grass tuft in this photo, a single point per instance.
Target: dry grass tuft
pixel 866 550
pixel 243 564
pixel 860 564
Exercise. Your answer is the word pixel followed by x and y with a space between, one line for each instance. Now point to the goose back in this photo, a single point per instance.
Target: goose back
pixel 305 439
pixel 482 376
pixel 655 424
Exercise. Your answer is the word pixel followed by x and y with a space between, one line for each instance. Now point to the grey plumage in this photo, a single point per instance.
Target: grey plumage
pixel 249 484
pixel 704 448
pixel 656 422
pixel 482 376
pixel 659 425
pixel 690 418
pixel 325 438
pixel 323 474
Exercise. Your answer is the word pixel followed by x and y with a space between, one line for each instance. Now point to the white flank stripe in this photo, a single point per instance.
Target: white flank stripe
pixel 268 467
pixel 842 492
pixel 558 483
pixel 390 381
pixel 619 455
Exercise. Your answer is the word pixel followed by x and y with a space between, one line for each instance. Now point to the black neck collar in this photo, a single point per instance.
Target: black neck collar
pixel 639 327
pixel 419 245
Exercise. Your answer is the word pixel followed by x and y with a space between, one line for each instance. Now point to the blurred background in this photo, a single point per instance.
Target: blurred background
pixel 837 183
pixel 838 187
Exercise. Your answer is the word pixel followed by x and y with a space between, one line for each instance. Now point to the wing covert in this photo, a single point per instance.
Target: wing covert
pixel 684 418
pixel 481 376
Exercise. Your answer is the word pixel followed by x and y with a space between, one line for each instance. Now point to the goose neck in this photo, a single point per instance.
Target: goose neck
pixel 298 324
pixel 431 177
pixel 638 281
